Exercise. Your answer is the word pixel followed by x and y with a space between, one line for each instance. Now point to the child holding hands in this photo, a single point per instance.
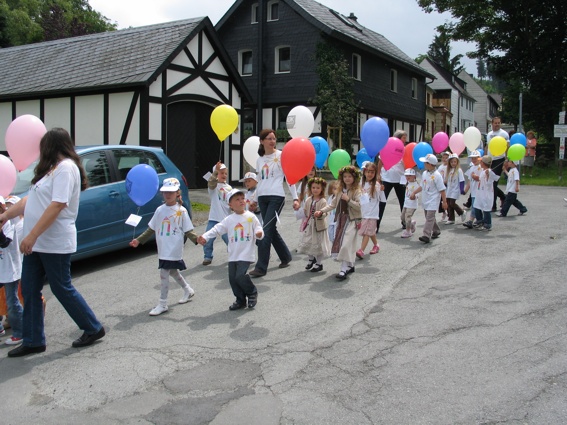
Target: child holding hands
pixel 484 198
pixel 370 199
pixel 512 189
pixel 410 205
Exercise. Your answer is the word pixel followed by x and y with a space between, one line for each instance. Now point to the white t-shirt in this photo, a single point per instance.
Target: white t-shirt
pixel 270 176
pixel 369 205
pixel 484 198
pixel 219 202
pixel 492 134
pixel 432 185
pixel 513 177
pixel 473 169
pixel 61 184
pixel 394 174
pixel 10 257
pixel 410 188
pixel 441 169
pixel 241 230
pixel 454 180
pixel 170 224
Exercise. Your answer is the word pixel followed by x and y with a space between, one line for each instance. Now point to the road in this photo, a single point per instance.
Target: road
pixel 470 329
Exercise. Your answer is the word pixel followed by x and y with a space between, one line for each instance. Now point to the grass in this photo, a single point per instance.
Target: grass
pixel 545 176
pixel 196 206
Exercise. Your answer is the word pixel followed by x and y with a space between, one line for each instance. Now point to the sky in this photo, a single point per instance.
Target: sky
pixel 402 21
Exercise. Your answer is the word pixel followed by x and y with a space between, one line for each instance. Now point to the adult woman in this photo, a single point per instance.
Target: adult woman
pixel 271 199
pixel 529 159
pixel 49 239
pixel 392 178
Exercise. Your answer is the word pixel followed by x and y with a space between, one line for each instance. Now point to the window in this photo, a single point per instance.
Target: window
pixel 273 11
pixel 394 80
pixel 428 99
pixel 129 158
pixel 254 14
pixel 283 59
pixel 245 62
pixel 283 112
pixel 96 168
pixel 414 88
pixel 356 61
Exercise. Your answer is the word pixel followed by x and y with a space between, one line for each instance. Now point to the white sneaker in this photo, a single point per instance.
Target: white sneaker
pixel 463 218
pixel 444 217
pixel 159 309
pixel 13 341
pixel 406 234
pixel 187 294
pixel 413 223
pixel 449 222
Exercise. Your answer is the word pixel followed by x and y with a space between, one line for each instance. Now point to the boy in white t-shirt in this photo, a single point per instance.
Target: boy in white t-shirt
pixel 512 189
pixel 410 205
pixel 243 229
pixel 250 181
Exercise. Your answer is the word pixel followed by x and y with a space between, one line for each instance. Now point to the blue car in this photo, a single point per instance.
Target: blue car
pixel 105 205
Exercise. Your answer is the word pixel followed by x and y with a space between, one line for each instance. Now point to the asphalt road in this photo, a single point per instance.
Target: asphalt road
pixel 470 329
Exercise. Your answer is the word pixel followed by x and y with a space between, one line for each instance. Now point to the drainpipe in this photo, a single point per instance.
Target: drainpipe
pixel 260 55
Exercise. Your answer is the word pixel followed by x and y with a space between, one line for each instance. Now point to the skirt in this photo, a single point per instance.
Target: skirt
pixel 368 227
pixel 169 265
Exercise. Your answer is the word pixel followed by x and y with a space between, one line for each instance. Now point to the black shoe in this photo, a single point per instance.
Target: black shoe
pixel 435 235
pixel 341 275
pixel 317 268
pixel 424 239
pixel 24 350
pixel 350 270
pixel 87 339
pixel 284 265
pixel 257 273
pixel 237 306
pixel 252 300
pixel 310 264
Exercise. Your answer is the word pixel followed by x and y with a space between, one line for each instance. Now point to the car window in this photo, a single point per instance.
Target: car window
pixel 25 177
pixel 96 167
pixel 126 159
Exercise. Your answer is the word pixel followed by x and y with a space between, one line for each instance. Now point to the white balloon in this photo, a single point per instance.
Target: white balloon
pixel 250 150
pixel 472 138
pixel 300 122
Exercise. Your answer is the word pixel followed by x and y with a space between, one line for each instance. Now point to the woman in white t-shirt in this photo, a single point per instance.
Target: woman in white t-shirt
pixel 49 239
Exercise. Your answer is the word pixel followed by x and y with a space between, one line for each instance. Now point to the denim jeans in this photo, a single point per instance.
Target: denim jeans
pixel 512 199
pixel 208 248
pixel 484 217
pixel 269 205
pixel 57 269
pixel 240 281
pixel 15 309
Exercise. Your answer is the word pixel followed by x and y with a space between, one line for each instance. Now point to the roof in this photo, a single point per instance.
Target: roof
pixel 346 29
pixel 446 80
pixel 128 57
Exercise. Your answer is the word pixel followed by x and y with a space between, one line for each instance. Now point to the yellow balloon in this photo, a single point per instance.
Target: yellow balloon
pixel 224 121
pixel 497 145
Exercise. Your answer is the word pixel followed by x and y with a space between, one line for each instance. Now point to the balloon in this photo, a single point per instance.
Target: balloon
pixel 516 152
pixel 420 150
pixel 250 150
pixel 457 143
pixel 321 150
pixel 224 120
pixel 298 158
pixel 363 156
pixel 497 145
pixel 142 184
pixel 9 176
pixel 408 155
pixel 392 153
pixel 338 159
pixel 471 137
pixel 300 122
pixel 480 151
pixel 440 142
pixel 22 140
pixel 518 138
pixel 374 135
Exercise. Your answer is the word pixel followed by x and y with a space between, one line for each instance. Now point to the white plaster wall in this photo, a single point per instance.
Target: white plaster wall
pixel 118 106
pixel 89 124
pixel 5 120
pixel 455 106
pixel 155 87
pixel 235 171
pixel 57 113
pixel 27 107
pixel 155 121
pixel 174 77
pixel 133 137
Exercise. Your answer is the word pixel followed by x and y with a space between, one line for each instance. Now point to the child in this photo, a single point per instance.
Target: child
pixel 244 229
pixel 302 195
pixel 347 219
pixel 331 193
pixel 10 273
pixel 482 205
pixel 455 183
pixel 218 192
pixel 410 205
pixel 441 169
pixel 315 239
pixel 474 169
pixel 433 190
pixel 250 182
pixel 370 206
pixel 170 224
pixel 512 189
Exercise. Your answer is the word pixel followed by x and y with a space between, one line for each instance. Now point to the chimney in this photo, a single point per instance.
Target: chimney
pixel 353 17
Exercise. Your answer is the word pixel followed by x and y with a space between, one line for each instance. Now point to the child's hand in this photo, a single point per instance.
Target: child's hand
pixel 259 234
pixel 412 196
pixel 382 187
pixel 201 240
pixel 317 214
pixel 134 243
pixel 345 197
pixel 252 206
pixel 217 167
pixel 296 205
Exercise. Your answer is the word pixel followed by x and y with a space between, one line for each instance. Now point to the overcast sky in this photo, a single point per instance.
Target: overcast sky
pixel 400 21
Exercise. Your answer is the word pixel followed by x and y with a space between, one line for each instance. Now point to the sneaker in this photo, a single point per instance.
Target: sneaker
pixel 406 234
pixel 13 341
pixel 85 339
pixel 449 222
pixel 2 332
pixel 253 300
pixel 187 294
pixel 360 254
pixel 376 248
pixel 257 273
pixel 468 224
pixel 444 217
pixel 463 218
pixel 207 261
pixel 485 229
pixel 237 306
pixel 413 223
pixel 478 224
pixel 158 309
pixel 523 213
pixel 435 235
pixel 500 215
pixel 424 239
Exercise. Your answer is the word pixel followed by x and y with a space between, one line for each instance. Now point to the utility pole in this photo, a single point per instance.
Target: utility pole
pixel 520 128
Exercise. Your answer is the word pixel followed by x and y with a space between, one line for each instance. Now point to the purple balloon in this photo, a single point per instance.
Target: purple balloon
pixel 374 135
pixel 142 184
pixel 420 150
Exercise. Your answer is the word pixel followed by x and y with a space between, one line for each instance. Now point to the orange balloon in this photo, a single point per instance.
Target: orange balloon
pixel 408 155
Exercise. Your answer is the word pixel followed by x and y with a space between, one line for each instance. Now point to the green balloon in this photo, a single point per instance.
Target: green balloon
pixel 338 159
pixel 516 152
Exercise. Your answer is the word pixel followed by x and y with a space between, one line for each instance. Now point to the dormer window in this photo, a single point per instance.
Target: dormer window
pixel 254 14
pixel 273 10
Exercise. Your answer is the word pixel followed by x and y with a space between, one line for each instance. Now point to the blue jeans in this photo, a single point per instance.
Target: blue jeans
pixel 484 217
pixel 269 205
pixel 240 281
pixel 15 309
pixel 512 199
pixel 208 248
pixel 57 268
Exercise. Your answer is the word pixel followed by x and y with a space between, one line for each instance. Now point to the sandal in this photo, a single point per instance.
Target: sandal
pixel 350 270
pixel 252 300
pixel 341 275
pixel 310 264
pixel 317 268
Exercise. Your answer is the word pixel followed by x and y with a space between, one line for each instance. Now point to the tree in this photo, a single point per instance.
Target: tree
pixel 481 68
pixel 524 43
pixel 440 52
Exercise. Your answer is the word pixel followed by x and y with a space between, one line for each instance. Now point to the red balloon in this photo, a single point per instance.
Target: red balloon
pixel 298 158
pixel 408 155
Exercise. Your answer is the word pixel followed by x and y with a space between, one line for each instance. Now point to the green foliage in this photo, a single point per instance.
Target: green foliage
pixel 196 206
pixel 440 52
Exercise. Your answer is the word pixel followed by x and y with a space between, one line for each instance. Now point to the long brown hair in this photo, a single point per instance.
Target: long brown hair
pixel 54 144
pixel 373 181
pixel 263 134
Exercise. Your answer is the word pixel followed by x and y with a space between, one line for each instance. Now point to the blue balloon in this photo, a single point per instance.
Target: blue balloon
pixel 142 183
pixel 362 156
pixel 321 150
pixel 374 135
pixel 518 138
pixel 480 152
pixel 421 150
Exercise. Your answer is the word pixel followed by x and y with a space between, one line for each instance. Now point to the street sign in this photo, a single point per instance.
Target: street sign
pixel 560 130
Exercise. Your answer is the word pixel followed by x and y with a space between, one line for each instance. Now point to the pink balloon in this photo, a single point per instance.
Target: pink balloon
pixel 22 140
pixel 440 142
pixel 9 176
pixel 457 143
pixel 392 153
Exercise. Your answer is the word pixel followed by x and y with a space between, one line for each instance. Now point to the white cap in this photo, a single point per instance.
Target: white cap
pixel 445 153
pixel 409 172
pixel 474 154
pixel 234 192
pixel 222 167
pixel 430 158
pixel 170 185
pixel 453 155
pixel 249 175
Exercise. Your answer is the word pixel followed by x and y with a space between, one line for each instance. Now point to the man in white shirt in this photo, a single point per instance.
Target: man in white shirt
pixel 497 161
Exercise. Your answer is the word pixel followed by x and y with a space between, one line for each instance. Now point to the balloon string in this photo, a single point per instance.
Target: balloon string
pixel 274 217
pixel 134 229
pixel 220 151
